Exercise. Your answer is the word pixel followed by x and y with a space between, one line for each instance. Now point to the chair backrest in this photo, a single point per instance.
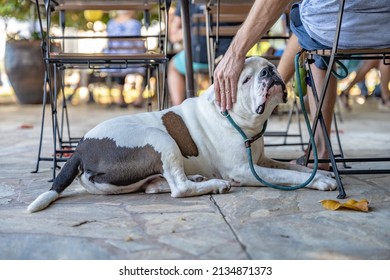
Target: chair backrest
pixel 224 20
pixel 159 38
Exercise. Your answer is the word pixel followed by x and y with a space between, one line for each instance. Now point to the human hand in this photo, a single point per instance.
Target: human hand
pixel 226 77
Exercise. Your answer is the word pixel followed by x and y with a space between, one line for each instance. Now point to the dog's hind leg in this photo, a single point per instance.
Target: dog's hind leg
pixel 189 188
pixel 183 186
pixel 174 173
pixel 63 180
pixel 160 185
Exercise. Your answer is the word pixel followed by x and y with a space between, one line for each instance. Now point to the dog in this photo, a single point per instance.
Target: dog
pixel 188 150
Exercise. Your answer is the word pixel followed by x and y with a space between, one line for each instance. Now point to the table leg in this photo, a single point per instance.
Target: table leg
pixel 185 16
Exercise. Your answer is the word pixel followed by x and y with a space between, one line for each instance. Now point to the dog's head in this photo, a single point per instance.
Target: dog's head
pixel 260 87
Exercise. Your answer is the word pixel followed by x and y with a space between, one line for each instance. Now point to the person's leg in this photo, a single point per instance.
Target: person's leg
pixel 121 80
pixel 363 88
pixel 360 76
pixel 122 102
pixel 327 111
pixel 286 66
pixel 384 84
pixel 176 80
pixel 361 73
pixel 306 42
pixel 140 85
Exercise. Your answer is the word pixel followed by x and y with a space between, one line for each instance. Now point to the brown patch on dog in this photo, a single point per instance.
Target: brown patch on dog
pixel 179 132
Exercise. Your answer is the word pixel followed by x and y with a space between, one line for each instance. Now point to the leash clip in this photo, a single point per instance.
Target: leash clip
pixel 248 143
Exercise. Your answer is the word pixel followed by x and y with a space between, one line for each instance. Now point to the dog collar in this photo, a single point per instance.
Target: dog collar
pixel 247 141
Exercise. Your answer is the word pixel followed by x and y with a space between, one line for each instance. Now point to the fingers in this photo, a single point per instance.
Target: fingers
pixel 228 94
pixel 217 91
pixel 225 82
pixel 222 91
pixel 233 86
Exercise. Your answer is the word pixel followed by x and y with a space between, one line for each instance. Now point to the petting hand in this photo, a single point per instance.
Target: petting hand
pixel 226 77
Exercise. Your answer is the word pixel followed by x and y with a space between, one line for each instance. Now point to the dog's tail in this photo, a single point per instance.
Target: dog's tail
pixel 61 182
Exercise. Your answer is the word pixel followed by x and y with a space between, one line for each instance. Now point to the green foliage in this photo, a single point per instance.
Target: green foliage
pixel 19 9
pixel 25 10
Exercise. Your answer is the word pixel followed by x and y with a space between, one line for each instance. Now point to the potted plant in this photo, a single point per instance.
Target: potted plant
pixel 23 60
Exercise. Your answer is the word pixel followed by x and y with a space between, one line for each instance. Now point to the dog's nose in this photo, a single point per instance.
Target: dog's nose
pixel 266 72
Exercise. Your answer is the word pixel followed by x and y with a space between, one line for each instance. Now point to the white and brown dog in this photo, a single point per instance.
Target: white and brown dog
pixel 189 150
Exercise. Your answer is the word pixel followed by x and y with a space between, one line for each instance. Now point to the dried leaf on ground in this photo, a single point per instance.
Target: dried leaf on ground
pixel 26 126
pixel 351 204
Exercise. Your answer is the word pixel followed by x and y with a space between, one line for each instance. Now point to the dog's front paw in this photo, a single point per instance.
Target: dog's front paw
pixel 222 186
pixel 323 183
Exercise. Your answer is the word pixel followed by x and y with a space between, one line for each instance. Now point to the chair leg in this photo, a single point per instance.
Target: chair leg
pixel 338 140
pixel 45 82
pixel 164 99
pixel 319 119
pixel 53 90
pixel 149 99
pixel 299 124
pixel 71 142
pixel 294 108
pixel 342 193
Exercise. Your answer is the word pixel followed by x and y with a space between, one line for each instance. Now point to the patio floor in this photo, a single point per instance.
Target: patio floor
pixel 246 223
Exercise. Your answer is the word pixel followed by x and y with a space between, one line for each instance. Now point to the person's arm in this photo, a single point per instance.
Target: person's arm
pixel 261 17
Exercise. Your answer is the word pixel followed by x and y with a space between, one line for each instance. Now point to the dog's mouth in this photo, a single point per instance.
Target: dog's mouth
pixel 278 82
pixel 260 109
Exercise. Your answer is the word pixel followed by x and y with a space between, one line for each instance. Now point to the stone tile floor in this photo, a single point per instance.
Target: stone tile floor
pixel 247 223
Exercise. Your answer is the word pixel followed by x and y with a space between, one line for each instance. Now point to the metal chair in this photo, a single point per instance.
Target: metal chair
pixel 56 61
pixel 341 54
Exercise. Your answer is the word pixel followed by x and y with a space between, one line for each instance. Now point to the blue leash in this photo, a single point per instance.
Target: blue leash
pixel 249 141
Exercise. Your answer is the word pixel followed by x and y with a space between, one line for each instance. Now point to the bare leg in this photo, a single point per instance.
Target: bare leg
pixel 139 86
pixel 327 111
pixel 384 83
pixel 122 102
pixel 361 73
pixel 176 85
pixel 360 76
pixel 286 66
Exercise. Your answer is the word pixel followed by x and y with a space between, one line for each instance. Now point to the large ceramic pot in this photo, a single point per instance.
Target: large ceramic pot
pixel 25 69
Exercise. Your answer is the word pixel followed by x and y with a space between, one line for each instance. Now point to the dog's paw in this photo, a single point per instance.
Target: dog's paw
pixel 323 183
pixel 222 186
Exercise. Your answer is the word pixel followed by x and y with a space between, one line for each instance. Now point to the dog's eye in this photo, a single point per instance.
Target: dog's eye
pixel 246 79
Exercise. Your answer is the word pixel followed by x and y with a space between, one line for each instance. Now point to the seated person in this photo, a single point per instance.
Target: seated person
pixel 125 24
pixel 176 68
pixel 314 23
